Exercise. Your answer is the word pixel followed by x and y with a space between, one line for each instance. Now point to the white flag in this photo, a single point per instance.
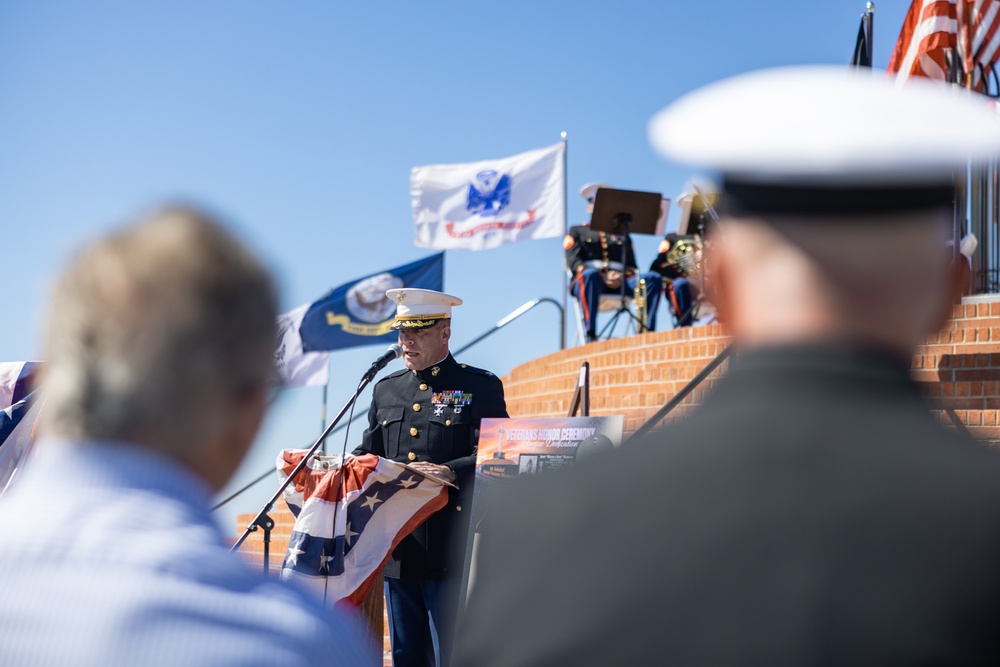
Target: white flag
pixel 295 367
pixel 480 205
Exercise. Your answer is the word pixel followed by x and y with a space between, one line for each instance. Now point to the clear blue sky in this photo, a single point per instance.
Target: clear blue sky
pixel 299 122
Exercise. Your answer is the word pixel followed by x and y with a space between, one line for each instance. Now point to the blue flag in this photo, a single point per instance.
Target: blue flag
pixel 358 313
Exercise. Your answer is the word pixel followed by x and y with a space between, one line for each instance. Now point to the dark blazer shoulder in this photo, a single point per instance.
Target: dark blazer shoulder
pixel 477 371
pixel 393 376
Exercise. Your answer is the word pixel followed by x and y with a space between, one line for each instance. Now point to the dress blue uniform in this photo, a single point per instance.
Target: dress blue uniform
pixel 678 286
pixel 589 253
pixel 431 415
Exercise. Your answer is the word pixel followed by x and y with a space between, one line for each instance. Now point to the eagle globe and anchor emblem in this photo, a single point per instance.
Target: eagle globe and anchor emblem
pixel 489 193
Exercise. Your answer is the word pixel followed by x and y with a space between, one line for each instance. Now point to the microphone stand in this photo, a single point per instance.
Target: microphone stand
pixel 265 522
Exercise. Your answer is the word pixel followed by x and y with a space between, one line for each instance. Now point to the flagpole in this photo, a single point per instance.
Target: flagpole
pixel 871 33
pixel 562 277
pixel 322 418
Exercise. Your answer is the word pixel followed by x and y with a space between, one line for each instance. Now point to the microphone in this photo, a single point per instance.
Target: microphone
pixel 394 352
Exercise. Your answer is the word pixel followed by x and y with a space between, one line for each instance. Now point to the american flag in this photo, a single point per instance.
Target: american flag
pixel 350 518
pixel 981 33
pixel 943 35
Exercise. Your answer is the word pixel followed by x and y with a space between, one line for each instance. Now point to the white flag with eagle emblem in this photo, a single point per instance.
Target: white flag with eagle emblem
pixel 481 205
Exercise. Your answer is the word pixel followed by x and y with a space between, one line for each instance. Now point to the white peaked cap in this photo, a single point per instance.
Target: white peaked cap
pixel 420 308
pixel 827 125
pixel 590 189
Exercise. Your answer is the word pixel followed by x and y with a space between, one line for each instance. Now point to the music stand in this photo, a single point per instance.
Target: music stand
pixel 623 212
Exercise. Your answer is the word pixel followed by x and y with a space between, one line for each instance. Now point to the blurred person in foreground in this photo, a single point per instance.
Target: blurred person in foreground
pixel 812 511
pixel 159 346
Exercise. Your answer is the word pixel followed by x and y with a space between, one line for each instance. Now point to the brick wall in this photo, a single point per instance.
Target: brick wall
pixel 631 376
pixel 958 370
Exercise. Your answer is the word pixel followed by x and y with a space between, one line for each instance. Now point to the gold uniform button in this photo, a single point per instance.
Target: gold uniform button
pixel 447 422
pixel 411 456
pixel 416 407
pixel 458 508
pixel 413 431
pixel 423 387
pixel 464 366
pixel 384 422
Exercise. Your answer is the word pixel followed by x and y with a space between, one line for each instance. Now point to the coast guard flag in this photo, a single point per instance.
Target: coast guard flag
pixel 480 205
pixel 18 414
pixel 359 313
pixel 348 520
pixel 295 367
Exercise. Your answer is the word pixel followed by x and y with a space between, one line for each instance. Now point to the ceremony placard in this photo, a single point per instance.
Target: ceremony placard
pixel 517 447
pixel 509 448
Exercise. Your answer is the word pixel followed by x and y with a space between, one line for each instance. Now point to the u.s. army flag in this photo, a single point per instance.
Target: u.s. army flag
pixel 481 205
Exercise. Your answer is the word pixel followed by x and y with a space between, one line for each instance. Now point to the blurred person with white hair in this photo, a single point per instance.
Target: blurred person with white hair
pixel 159 345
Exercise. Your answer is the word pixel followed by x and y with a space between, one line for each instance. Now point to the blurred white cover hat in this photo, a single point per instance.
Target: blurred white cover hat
pixel 794 131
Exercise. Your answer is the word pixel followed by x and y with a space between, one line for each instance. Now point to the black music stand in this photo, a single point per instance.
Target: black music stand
pixel 625 212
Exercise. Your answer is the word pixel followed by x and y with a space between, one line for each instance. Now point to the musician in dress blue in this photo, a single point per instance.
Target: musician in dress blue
pixel 599 262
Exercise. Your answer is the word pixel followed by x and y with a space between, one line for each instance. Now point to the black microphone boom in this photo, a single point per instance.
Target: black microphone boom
pixel 394 352
pixel 262 520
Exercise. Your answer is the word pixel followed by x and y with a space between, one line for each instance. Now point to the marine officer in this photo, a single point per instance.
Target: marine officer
pixel 599 262
pixel 428 416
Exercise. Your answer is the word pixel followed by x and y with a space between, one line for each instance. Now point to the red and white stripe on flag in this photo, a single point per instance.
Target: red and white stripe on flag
pixel 981 34
pixel 934 27
pixel 929 30
pixel 349 519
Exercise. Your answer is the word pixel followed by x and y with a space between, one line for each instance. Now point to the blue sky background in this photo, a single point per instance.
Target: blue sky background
pixel 299 122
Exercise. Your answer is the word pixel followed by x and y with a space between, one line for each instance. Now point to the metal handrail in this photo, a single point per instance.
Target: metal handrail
pixel 496 327
pixel 650 423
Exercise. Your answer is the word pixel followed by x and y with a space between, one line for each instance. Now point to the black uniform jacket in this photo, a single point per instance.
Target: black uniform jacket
pixel 433 415
pixel 584 245
pixel 812 512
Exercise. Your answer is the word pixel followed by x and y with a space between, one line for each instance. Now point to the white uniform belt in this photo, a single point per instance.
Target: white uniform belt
pixel 598 264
